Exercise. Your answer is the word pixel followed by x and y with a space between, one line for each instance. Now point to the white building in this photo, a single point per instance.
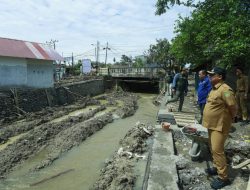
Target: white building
pixel 26 64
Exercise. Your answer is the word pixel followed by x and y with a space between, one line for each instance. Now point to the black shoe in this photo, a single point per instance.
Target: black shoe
pixel 238 119
pixel 195 159
pixel 219 183
pixel 211 171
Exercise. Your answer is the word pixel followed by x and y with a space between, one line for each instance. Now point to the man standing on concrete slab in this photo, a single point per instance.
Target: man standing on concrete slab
pixel 179 88
pixel 218 115
pixel 169 81
pixel 203 89
pixel 241 95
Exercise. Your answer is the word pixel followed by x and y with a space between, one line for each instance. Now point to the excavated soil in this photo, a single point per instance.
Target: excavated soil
pixel 118 173
pixel 37 132
pixel 192 174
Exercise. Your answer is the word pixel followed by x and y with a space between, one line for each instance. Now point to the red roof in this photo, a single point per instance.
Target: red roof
pixel 24 49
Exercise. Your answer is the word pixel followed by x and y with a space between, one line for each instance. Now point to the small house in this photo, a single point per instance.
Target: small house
pixel 26 64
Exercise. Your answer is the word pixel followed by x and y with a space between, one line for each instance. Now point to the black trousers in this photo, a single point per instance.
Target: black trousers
pixel 179 95
pixel 201 111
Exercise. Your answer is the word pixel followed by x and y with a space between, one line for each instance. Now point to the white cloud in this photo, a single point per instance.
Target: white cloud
pixel 76 24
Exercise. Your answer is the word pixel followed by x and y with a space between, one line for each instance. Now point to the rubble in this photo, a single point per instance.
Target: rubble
pixel 118 173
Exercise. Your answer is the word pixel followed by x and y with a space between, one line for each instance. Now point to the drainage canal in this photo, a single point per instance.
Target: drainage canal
pixel 79 168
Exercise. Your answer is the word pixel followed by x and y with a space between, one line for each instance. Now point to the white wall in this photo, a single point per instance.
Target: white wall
pixel 40 73
pixel 13 72
pixel 20 72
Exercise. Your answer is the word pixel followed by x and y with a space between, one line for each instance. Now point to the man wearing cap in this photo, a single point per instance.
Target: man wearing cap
pixel 179 88
pixel 241 94
pixel 218 115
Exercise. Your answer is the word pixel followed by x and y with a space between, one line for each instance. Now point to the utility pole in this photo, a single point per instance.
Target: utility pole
pixel 106 56
pixel 97 52
pixel 52 43
pixel 97 48
pixel 72 59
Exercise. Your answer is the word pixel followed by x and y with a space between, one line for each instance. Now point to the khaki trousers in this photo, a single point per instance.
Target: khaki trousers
pixel 216 142
pixel 242 105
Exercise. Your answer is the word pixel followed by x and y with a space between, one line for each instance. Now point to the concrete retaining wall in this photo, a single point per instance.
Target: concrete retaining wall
pixel 85 88
pixel 30 100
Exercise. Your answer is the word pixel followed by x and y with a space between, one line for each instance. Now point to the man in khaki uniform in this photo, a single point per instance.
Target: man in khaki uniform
pixel 241 94
pixel 218 114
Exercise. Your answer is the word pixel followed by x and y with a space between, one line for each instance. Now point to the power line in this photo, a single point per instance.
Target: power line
pixel 52 43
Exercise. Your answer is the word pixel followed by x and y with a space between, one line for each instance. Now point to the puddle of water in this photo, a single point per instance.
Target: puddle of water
pixel 108 109
pixel 86 159
pixel 74 113
pixel 11 140
pixel 71 114
pixel 103 101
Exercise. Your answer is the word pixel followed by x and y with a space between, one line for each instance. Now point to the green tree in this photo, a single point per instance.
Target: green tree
pixel 163 5
pixel 160 54
pixel 125 60
pixel 138 62
pixel 217 32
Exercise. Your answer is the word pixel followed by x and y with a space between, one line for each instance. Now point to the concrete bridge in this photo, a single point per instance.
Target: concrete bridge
pixel 138 79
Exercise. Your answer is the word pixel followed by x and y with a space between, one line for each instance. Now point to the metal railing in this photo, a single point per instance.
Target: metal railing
pixel 143 72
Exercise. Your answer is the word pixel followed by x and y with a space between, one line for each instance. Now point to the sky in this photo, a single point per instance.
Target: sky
pixel 128 26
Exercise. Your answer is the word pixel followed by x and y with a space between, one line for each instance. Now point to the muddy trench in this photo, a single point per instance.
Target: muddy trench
pixel 49 135
pixel 61 149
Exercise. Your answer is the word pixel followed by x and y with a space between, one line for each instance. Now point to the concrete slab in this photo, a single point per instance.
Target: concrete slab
pixel 163 173
pixel 163 115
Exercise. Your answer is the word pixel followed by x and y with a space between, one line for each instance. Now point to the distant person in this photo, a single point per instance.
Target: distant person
pixel 169 80
pixel 179 88
pixel 161 75
pixel 218 115
pixel 203 89
pixel 241 95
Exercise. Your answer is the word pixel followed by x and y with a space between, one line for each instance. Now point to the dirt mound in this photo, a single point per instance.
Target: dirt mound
pixel 118 173
pixel 59 137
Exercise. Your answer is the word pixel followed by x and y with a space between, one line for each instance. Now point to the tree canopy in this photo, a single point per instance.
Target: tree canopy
pixel 163 5
pixel 217 32
pixel 160 53
pixel 125 60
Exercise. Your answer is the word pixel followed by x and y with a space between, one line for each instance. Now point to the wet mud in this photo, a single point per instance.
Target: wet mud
pixel 40 133
pixel 118 173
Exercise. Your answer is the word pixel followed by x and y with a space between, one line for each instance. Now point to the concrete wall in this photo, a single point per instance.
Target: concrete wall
pixel 39 73
pixel 84 88
pixel 13 72
pixel 20 72
pixel 31 100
